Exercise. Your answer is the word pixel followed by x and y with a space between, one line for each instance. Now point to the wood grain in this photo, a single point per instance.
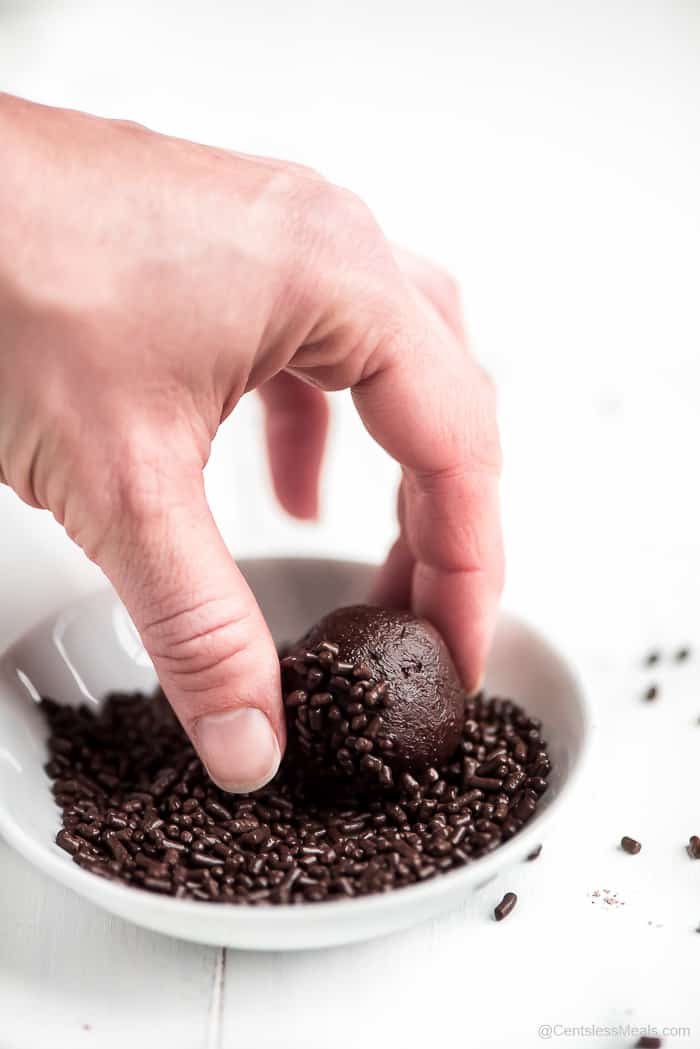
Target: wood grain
pixel 72 975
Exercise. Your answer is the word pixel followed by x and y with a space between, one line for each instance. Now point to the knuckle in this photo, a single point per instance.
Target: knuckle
pixel 478 444
pixel 447 287
pixel 450 543
pixel 455 542
pixel 484 454
pixel 129 126
pixel 303 171
pixel 435 282
pixel 472 451
pixel 198 648
pixel 345 258
pixel 342 226
pixel 351 209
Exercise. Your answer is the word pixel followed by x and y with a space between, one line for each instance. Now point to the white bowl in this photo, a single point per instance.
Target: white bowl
pixel 91 648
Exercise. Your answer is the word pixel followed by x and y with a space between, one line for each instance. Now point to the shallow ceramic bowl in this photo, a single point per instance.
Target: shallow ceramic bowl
pixel 91 648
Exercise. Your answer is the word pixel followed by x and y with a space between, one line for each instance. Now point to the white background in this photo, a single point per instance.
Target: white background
pixel 549 155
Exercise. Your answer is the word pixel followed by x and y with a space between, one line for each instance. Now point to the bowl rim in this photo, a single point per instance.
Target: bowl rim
pixel 59 866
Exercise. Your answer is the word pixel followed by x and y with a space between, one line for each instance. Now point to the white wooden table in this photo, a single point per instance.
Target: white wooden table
pixel 549 155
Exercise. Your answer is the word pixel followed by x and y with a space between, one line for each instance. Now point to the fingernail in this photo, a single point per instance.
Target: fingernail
pixel 239 748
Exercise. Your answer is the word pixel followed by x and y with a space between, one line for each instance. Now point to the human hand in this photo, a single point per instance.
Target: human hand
pixel 146 284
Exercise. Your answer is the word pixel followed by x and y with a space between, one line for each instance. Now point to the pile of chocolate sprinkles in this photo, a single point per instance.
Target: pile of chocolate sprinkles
pixel 139 808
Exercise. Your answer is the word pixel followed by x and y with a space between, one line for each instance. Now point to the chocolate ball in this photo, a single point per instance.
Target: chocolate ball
pixel 371 694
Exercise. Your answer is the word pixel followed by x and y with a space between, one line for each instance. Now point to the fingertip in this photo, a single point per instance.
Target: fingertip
pixel 300 501
pixel 296 425
pixel 239 748
pixel 464 609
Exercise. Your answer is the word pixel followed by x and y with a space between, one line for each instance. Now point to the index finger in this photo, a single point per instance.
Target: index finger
pixel 432 408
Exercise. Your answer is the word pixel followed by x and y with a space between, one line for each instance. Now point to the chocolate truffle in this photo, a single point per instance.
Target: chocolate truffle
pixel 372 695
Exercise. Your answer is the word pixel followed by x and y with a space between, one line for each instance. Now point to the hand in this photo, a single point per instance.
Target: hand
pixel 146 284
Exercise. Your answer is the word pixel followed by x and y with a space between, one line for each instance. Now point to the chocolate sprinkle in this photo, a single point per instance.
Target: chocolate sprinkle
pixel 503 909
pixel 630 845
pixel 138 807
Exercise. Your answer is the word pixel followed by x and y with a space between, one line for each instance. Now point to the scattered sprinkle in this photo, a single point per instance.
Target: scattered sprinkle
pixel 503 909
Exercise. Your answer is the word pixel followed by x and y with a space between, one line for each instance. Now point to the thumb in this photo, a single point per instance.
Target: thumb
pixel 202 628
